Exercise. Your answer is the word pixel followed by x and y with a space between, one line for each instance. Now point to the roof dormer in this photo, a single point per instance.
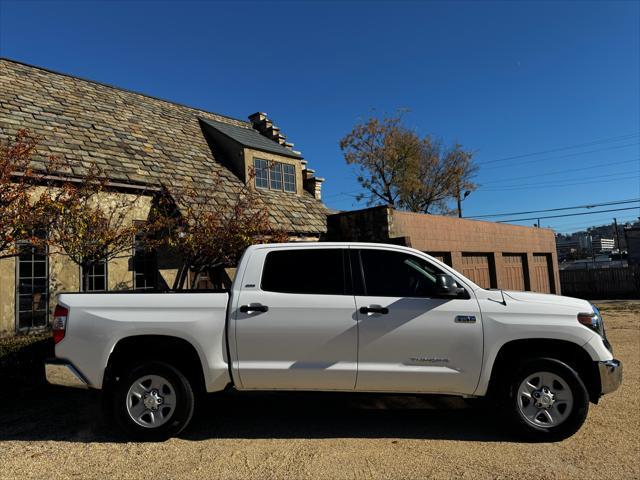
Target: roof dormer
pixel 263 149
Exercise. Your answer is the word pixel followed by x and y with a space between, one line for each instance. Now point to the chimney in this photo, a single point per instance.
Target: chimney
pixel 311 183
pixel 262 124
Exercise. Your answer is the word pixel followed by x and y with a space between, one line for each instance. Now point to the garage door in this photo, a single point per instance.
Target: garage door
pixel 541 273
pixel 477 268
pixel 444 257
pixel 514 271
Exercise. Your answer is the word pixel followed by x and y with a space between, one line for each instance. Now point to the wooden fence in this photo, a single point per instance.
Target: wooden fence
pixel 601 283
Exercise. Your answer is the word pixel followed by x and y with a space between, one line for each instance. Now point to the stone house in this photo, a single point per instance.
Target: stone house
pixel 143 143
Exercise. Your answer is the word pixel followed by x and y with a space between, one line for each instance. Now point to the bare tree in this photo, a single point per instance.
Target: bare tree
pixel 209 237
pixel 436 176
pixel 92 224
pixel 381 150
pixel 396 167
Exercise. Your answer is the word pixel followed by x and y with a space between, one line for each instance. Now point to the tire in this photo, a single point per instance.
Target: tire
pixel 561 405
pixel 152 401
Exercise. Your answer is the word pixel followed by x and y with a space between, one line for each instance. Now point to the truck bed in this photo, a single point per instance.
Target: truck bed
pixel 197 317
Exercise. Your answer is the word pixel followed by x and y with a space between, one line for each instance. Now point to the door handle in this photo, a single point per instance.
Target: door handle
pixel 382 310
pixel 253 308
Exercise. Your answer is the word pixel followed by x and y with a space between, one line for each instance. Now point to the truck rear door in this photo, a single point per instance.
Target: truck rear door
pixel 295 322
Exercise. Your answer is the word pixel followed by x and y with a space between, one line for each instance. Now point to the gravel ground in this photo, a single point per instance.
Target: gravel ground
pixel 53 433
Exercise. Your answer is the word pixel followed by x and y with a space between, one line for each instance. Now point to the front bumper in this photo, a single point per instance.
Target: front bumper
pixel 61 372
pixel 610 375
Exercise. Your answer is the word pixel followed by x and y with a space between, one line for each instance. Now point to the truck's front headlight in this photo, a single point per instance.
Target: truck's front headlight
pixel 594 321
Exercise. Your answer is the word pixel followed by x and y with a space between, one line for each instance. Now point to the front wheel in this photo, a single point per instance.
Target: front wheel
pixel 153 401
pixel 547 400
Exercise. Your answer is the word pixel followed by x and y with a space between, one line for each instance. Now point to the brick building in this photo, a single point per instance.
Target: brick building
pixel 494 255
pixel 143 143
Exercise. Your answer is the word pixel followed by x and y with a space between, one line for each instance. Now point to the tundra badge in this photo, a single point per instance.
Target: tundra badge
pixel 465 319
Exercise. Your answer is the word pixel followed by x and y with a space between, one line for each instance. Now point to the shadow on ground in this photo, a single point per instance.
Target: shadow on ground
pixel 58 414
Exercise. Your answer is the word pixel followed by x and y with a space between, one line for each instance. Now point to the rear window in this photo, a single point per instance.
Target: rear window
pixel 315 271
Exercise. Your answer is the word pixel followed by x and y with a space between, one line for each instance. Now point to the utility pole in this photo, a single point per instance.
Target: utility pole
pixel 615 222
pixel 460 198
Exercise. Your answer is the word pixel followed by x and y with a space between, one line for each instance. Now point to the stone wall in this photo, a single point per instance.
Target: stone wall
pixel 64 274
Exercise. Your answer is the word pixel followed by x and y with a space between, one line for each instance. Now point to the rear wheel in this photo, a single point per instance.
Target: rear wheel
pixel 547 400
pixel 152 401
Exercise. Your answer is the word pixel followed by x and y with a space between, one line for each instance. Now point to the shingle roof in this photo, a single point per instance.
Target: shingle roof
pixel 250 138
pixel 134 137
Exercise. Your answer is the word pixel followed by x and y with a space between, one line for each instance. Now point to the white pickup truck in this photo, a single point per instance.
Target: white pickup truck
pixel 350 317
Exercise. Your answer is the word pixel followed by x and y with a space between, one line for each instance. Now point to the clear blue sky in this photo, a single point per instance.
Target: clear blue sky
pixel 503 78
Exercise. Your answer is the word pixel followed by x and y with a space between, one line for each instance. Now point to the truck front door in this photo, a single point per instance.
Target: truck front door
pixel 295 323
pixel 409 340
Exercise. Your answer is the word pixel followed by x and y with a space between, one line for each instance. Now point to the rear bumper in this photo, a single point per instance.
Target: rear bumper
pixel 610 375
pixel 61 372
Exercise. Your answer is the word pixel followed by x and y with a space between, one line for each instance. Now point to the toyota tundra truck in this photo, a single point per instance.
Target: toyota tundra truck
pixel 344 317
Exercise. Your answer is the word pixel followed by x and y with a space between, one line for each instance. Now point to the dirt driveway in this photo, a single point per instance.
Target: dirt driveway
pixel 51 433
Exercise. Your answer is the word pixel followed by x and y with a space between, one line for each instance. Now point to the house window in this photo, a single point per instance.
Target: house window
pixel 261 172
pixel 96 280
pixel 145 265
pixel 275 175
pixel 33 287
pixel 289 174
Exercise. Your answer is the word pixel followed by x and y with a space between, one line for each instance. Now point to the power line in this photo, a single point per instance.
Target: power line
pixel 583 227
pixel 569 214
pixel 606 218
pixel 569 147
pixel 590 205
pixel 567 170
pixel 562 181
pixel 599 221
pixel 540 160
pixel 355 193
pixel 599 180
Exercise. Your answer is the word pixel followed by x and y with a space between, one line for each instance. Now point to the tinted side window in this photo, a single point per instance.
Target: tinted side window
pixel 304 271
pixel 397 274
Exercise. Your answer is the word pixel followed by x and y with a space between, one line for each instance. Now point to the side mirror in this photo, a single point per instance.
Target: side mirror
pixel 446 286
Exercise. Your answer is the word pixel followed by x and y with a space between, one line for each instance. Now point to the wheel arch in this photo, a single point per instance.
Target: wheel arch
pixel 514 352
pixel 176 351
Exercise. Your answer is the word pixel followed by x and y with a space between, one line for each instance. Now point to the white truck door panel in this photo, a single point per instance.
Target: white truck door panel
pixel 304 340
pixel 414 343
